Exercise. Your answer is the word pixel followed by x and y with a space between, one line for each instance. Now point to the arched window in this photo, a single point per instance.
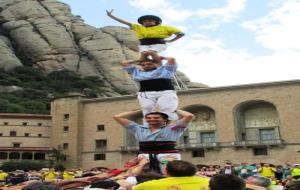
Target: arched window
pixel 257 122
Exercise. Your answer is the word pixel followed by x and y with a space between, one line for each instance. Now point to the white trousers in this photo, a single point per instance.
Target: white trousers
pixel 154 47
pixel 163 101
pixel 163 156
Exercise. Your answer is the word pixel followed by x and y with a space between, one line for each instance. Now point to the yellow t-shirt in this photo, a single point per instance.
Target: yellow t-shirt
pixel 68 175
pixel 158 31
pixel 3 176
pixel 182 183
pixel 295 172
pixel 50 175
pixel 268 171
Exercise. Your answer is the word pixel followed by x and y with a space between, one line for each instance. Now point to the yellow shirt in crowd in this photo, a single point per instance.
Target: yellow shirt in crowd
pixel 50 175
pixel 182 183
pixel 295 172
pixel 158 31
pixel 68 175
pixel 267 171
pixel 3 176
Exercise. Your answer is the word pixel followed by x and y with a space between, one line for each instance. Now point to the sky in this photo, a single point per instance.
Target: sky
pixel 227 42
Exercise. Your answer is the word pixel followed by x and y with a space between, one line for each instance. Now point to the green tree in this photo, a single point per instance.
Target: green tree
pixel 15 108
pixel 57 156
pixel 3 105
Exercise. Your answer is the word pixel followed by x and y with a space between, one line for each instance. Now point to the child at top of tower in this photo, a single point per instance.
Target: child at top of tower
pixel 150 32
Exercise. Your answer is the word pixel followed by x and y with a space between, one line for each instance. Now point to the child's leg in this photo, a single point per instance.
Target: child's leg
pixel 168 103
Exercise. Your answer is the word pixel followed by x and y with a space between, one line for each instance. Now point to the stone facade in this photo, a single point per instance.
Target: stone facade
pixel 251 123
pixel 247 123
pixel 24 136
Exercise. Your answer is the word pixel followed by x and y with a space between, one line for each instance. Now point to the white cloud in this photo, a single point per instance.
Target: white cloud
pixel 207 61
pixel 177 12
pixel 164 8
pixel 223 14
pixel 280 29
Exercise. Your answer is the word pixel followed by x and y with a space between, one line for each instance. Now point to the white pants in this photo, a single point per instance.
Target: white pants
pixel 163 101
pixel 155 47
pixel 164 156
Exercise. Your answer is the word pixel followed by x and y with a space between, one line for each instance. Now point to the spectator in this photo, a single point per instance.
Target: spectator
pixel 267 171
pixel 286 169
pixel 68 175
pixel 3 176
pixel 259 181
pixel 293 185
pixel 228 170
pixel 295 171
pixel 179 174
pixel 41 186
pixel 245 170
pixel 279 172
pixel 226 182
pixel 50 175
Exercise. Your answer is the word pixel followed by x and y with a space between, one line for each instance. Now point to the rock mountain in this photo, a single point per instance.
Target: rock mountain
pixel 44 34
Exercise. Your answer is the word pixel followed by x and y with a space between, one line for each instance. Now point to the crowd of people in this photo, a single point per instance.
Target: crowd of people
pixel 158 165
pixel 175 175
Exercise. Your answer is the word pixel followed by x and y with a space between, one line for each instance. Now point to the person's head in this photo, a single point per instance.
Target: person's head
pixel 226 182
pixel 180 168
pixel 227 166
pixel 293 185
pixel 147 175
pixel 296 165
pixel 105 184
pixel 149 20
pixel 148 65
pixel 41 186
pixel 157 118
pixel 259 181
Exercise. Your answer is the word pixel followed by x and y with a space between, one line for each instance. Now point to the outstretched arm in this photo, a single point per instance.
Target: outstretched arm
pixel 121 118
pixel 109 13
pixel 177 36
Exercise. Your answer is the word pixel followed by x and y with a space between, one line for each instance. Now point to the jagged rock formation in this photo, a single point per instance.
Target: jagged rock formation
pixel 45 35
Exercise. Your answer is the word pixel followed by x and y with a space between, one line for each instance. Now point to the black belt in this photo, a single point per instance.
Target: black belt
pixel 151 41
pixel 157 147
pixel 156 85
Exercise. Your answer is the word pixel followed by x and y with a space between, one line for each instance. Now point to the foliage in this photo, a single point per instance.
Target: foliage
pixel 25 165
pixel 57 157
pixel 39 88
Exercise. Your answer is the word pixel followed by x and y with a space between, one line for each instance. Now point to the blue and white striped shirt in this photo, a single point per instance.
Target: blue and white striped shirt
pixel 166 71
pixel 167 133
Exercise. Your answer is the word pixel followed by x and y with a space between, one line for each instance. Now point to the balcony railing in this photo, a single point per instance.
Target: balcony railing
pixel 129 148
pixel 198 145
pixel 259 142
pixel 100 149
